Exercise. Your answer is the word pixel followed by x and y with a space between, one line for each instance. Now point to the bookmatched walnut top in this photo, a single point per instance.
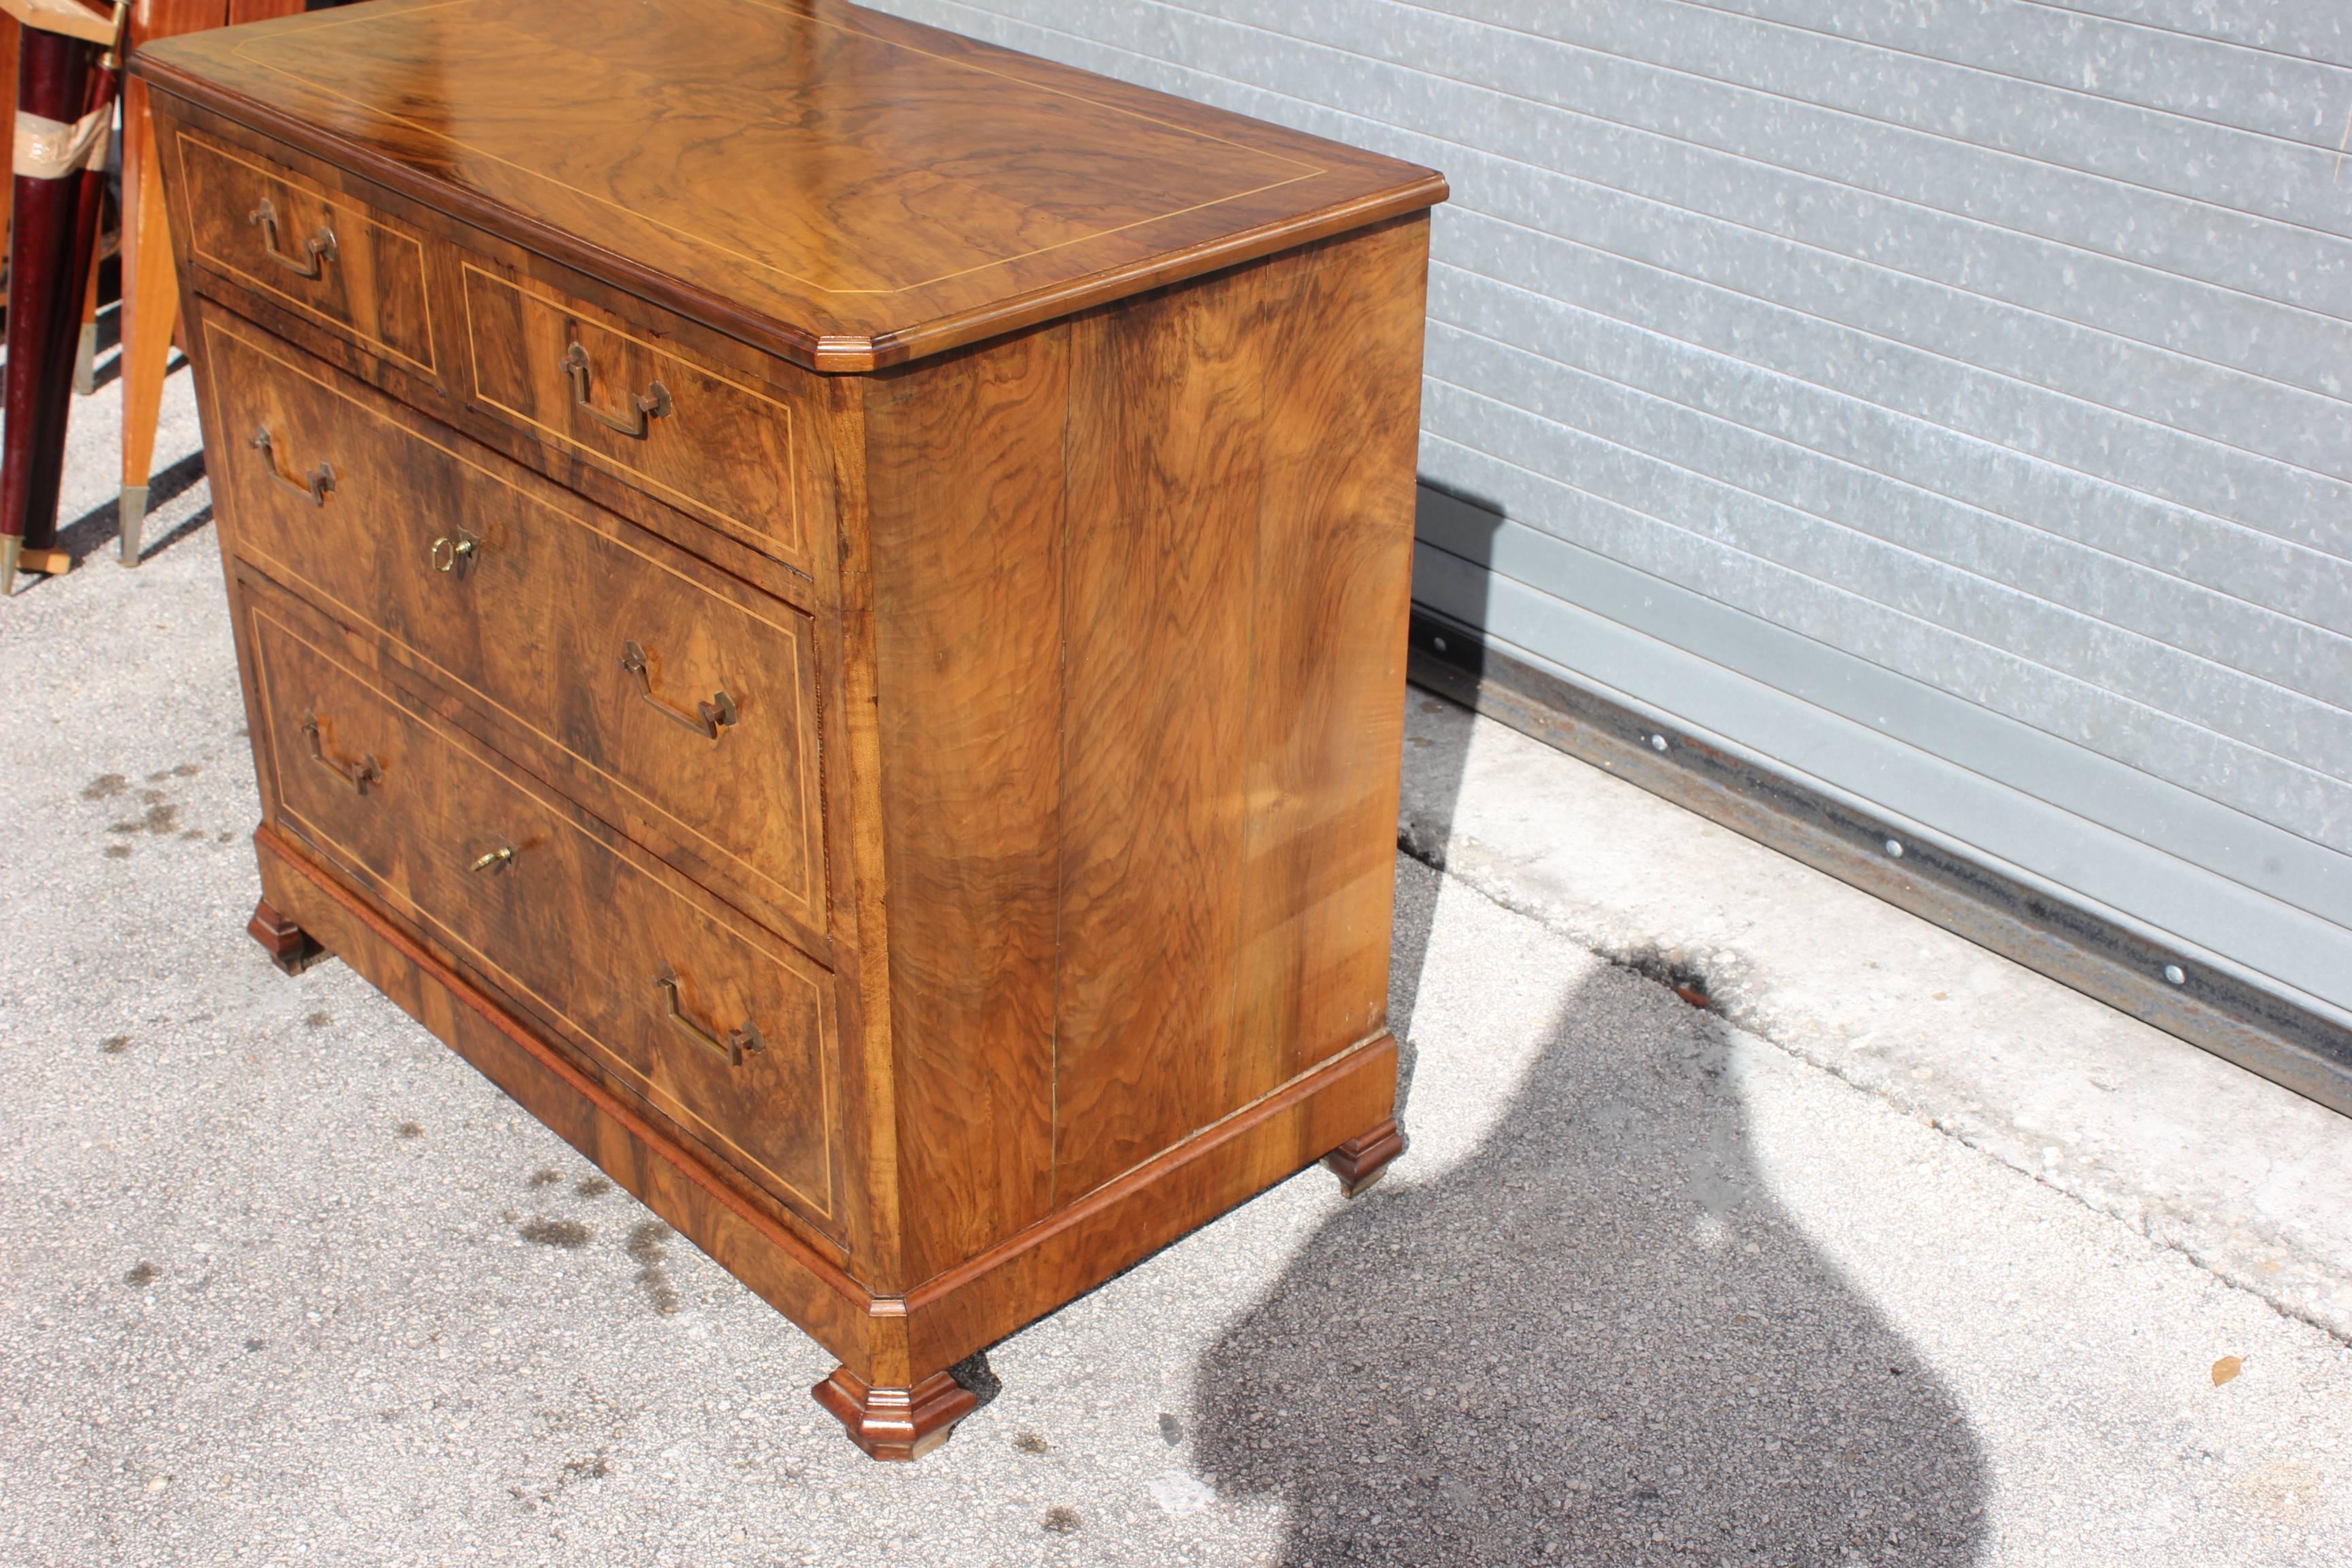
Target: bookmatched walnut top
pixel 847 189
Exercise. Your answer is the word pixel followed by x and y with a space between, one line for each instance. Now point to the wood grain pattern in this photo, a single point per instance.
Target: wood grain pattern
pixel 371 285
pixel 722 450
pixel 149 302
pixel 568 922
pixel 848 189
pixel 964 467
pixel 1326 715
pixel 1163 480
pixel 1240 480
pixel 770 413
pixel 535 620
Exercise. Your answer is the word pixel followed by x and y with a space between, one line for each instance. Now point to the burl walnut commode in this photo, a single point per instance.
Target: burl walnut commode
pixel 826 605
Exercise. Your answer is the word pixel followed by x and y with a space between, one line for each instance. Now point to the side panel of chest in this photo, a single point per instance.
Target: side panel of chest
pixel 1139 591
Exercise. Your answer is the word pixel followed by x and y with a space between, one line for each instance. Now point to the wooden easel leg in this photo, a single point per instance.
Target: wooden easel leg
pixel 150 301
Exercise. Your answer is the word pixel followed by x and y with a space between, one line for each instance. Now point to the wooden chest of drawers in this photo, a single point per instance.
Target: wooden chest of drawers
pixel 826 603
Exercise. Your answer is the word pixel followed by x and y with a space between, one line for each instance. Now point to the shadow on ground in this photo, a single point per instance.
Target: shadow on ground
pixel 1594 1341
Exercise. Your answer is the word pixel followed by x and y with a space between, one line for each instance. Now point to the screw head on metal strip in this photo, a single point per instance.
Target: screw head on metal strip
pixel 1894 847
pixel 2175 975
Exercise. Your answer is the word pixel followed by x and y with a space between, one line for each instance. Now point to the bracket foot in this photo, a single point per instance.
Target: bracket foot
pixel 1364 1159
pixel 288 945
pixel 896 1423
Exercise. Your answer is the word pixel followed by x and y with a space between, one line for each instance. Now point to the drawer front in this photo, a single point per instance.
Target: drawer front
pixel 689 699
pixel 316 251
pixel 570 374
pixel 730 1037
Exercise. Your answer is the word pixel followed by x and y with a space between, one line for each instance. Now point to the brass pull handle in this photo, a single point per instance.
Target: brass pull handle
pixel 498 859
pixel 707 718
pixel 313 488
pixel 731 1049
pixel 455 554
pixel 368 771
pixel 317 250
pixel 654 404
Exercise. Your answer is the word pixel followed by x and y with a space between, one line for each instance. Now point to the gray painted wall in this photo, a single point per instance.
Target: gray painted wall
pixel 1947 401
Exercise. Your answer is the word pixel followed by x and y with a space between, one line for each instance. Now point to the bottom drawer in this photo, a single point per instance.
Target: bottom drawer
pixel 729 1037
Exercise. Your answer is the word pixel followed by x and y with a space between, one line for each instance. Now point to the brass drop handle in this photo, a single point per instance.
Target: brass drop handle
pixel 317 251
pixel 706 719
pixel 314 489
pixel 653 404
pixel 498 859
pixel 456 553
pixel 731 1049
pixel 368 771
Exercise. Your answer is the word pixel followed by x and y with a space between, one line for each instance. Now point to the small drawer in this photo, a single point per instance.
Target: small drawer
pixel 731 1036
pixel 573 375
pixel 316 252
pixel 682 702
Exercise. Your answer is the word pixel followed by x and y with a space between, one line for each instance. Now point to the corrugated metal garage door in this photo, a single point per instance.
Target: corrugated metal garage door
pixel 1946 402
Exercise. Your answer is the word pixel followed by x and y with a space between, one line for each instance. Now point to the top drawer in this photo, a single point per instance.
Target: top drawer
pixel 316 252
pixel 597 388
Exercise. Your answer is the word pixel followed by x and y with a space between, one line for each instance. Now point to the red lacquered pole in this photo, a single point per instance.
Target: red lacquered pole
pixel 54 81
pixel 65 347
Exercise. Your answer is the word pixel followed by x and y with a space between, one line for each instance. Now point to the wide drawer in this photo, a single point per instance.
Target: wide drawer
pixel 574 376
pixel 728 1033
pixel 683 701
pixel 319 252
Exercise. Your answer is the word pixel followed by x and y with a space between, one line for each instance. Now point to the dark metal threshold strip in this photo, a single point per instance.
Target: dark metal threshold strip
pixel 2260 1031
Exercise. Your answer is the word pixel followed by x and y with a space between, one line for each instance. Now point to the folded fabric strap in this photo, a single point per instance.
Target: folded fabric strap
pixel 52 149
